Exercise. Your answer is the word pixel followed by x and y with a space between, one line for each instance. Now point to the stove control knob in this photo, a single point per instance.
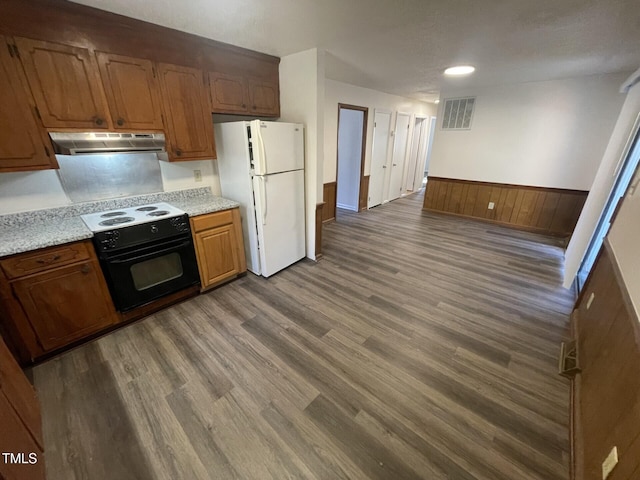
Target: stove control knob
pixel 154 229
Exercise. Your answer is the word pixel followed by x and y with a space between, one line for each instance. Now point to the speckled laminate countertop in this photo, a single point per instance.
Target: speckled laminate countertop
pixel 27 231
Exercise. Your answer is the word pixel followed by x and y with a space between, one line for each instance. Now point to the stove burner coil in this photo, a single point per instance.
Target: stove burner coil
pixel 159 213
pixel 116 221
pixel 112 214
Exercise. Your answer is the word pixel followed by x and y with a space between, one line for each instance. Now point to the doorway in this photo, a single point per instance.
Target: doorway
pixel 432 133
pixel 417 156
pixel 401 138
pixel 379 156
pixel 625 171
pixel 352 134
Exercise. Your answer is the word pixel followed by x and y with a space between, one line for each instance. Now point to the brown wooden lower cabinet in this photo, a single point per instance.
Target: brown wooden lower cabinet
pixel 20 423
pixel 56 302
pixel 219 246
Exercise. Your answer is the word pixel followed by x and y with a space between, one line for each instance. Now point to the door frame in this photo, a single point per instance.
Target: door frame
pixel 361 185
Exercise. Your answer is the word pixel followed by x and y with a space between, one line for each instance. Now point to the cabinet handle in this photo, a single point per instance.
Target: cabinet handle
pixel 120 122
pixel 254 107
pixel 85 269
pixel 244 105
pixel 179 153
pixel 99 121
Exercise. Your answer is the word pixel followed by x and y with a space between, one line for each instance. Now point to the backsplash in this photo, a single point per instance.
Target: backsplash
pixel 86 178
pixel 27 191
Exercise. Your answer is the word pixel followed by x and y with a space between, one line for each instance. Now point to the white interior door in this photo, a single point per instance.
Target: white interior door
pixel 280 218
pixel 422 155
pixel 432 134
pixel 379 155
pixel 416 141
pixel 401 138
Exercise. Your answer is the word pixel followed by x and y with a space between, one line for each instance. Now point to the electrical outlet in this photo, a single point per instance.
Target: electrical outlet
pixel 590 301
pixel 609 463
pixel 197 175
pixel 491 205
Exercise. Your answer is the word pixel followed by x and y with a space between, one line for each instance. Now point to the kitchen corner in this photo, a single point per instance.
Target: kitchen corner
pixel 27 231
pixel 58 289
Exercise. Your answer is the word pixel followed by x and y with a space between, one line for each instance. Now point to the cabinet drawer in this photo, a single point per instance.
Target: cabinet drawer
pixel 211 220
pixel 45 259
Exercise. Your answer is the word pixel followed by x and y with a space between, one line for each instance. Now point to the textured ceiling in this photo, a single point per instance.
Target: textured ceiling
pixel 402 46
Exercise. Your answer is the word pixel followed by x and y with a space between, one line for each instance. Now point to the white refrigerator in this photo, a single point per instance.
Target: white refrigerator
pixel 261 166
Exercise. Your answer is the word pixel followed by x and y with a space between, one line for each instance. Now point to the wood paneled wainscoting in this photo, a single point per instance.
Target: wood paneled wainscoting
pixel 329 196
pixel 606 406
pixel 545 210
pixel 330 193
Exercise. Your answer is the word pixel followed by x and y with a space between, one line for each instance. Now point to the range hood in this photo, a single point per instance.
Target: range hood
pixel 104 142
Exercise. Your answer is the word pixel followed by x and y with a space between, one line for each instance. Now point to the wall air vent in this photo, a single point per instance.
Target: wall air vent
pixel 458 113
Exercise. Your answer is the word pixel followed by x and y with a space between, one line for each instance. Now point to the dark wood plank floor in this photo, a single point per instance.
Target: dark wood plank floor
pixel 421 346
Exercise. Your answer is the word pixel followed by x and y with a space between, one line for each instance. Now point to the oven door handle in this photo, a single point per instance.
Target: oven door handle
pixel 155 253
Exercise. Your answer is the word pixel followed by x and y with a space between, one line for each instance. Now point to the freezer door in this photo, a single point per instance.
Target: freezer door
pixel 277 147
pixel 280 218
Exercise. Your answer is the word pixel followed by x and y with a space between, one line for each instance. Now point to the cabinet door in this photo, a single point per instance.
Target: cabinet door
pixel 217 254
pixel 186 112
pixel 65 84
pixel 16 439
pixel 21 394
pixel 264 97
pixel 66 304
pixel 24 145
pixel 132 92
pixel 228 93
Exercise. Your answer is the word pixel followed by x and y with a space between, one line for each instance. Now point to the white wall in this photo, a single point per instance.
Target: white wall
pixel 601 188
pixel 550 134
pixel 24 191
pixel 338 92
pixel 180 176
pixel 301 101
pixel 349 155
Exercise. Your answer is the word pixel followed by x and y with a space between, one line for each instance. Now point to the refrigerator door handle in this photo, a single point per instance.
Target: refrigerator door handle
pixel 263 199
pixel 263 152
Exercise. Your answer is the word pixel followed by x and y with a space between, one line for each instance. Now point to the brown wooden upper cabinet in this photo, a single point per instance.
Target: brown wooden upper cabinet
pixel 264 97
pixel 186 112
pixel 229 93
pixel 65 84
pixel 132 92
pixel 236 94
pixel 24 145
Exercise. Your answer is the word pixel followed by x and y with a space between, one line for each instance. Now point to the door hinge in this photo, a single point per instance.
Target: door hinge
pixel 375 124
pixel 46 150
pixel 37 113
pixel 153 70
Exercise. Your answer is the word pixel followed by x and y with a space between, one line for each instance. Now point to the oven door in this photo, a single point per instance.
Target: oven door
pixel 145 274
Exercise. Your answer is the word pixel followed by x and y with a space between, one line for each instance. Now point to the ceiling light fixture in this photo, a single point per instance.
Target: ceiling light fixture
pixel 437 101
pixel 459 70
